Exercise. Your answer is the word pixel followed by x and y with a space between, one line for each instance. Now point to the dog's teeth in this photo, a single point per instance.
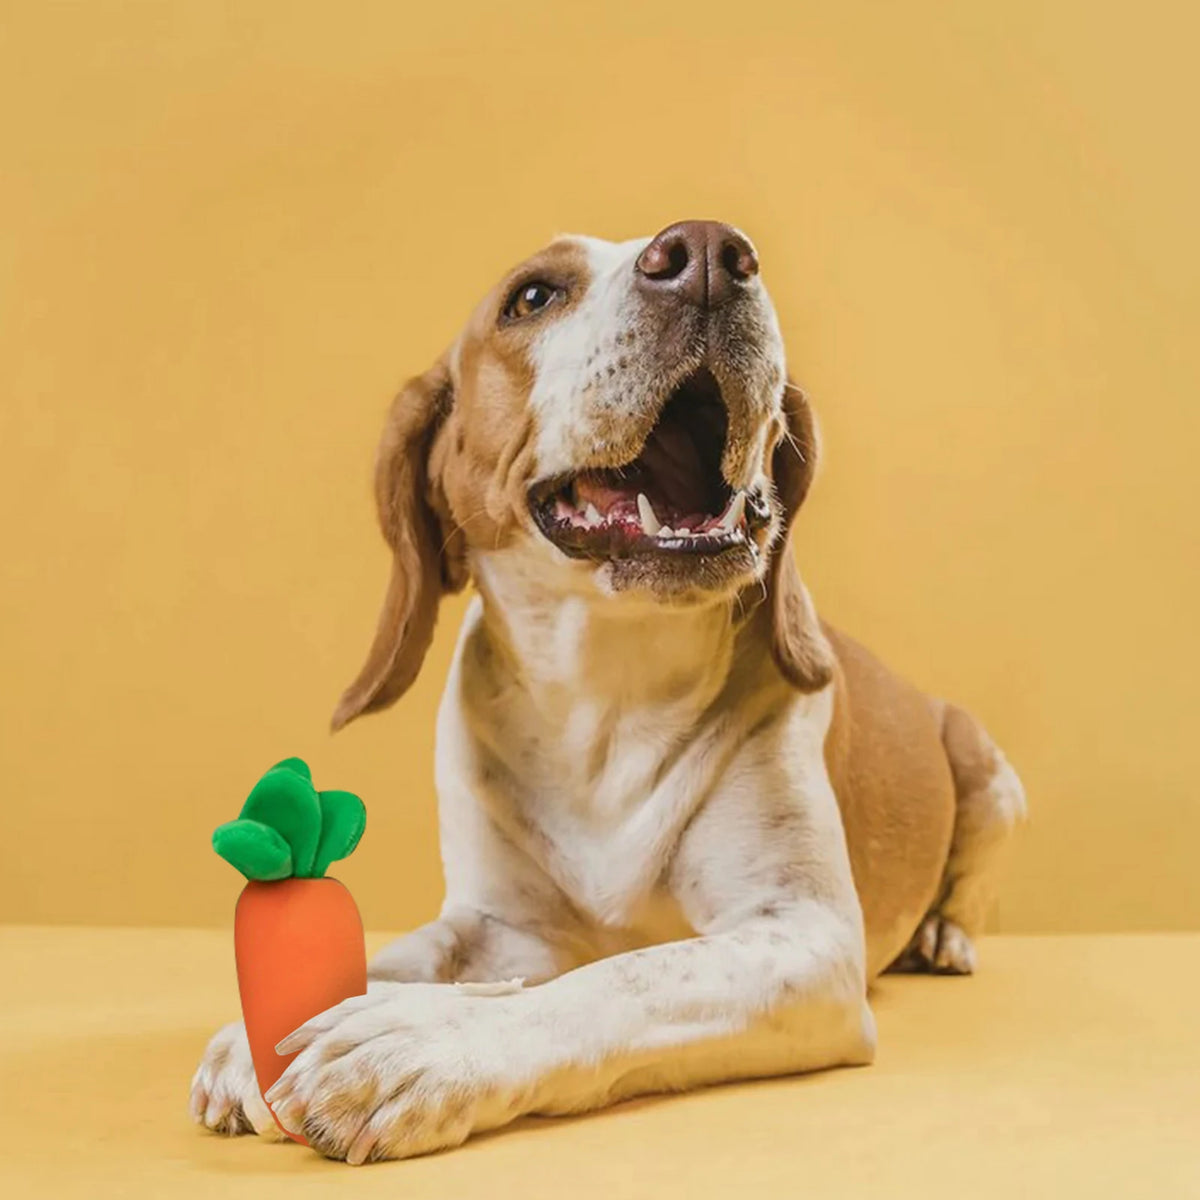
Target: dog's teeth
pixel 734 513
pixel 650 522
pixel 665 531
pixel 592 515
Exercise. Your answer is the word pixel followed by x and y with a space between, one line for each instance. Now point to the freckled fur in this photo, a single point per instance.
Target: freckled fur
pixel 686 818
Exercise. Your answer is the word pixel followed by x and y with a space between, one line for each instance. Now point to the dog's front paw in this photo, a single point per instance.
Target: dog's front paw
pixel 407 1069
pixel 225 1095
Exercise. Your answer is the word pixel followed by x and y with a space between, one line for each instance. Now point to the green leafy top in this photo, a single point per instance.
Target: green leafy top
pixel 287 828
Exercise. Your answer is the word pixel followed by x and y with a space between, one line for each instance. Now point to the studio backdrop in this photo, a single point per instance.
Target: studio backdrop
pixel 227 239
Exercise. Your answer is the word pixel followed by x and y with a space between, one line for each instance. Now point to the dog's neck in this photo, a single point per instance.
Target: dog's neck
pixel 564 645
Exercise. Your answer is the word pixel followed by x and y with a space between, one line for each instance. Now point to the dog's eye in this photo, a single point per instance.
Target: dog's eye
pixel 529 298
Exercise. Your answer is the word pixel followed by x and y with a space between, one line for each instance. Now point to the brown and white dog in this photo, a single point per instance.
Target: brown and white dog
pixel 684 822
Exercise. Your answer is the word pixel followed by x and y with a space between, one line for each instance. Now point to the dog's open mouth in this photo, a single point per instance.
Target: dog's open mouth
pixel 671 499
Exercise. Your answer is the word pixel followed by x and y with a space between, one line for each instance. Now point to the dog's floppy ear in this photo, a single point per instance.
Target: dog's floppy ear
pixel 427 554
pixel 798 645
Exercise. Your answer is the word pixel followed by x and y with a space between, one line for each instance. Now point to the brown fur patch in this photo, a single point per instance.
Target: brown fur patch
pixel 973 757
pixel 894 788
pixel 798 645
pixel 453 470
pixel 426 555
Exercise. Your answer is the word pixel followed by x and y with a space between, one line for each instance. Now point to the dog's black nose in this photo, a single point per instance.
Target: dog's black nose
pixel 705 263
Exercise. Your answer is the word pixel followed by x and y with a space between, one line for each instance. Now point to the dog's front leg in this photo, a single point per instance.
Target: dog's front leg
pixel 782 992
pixel 411 1067
pixel 775 982
pixel 415 1068
pixel 465 945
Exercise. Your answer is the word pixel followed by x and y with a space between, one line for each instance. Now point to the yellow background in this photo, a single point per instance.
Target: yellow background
pixel 229 230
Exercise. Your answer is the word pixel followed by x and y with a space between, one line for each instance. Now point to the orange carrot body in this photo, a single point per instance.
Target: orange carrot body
pixel 300 950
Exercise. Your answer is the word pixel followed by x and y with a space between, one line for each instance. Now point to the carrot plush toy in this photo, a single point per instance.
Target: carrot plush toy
pixel 298 938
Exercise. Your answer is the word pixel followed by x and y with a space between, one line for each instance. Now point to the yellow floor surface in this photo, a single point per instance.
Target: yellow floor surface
pixel 1070 1066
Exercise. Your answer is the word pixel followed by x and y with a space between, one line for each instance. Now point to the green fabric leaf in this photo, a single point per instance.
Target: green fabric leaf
pixel 287 801
pixel 255 849
pixel 286 829
pixel 343 819
pixel 296 765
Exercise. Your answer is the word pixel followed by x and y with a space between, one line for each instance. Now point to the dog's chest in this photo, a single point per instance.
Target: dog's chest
pixel 597 797
pixel 591 748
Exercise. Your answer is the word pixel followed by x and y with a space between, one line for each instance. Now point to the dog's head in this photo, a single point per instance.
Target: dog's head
pixel 619 415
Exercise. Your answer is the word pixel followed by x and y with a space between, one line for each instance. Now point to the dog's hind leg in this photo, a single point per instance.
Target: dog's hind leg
pixel 990 804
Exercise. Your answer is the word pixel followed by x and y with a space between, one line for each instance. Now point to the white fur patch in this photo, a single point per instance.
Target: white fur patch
pixel 561 354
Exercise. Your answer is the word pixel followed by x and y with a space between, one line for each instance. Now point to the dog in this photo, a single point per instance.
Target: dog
pixel 684 821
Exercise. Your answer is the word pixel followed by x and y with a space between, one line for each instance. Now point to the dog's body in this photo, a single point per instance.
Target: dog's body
pixel 691 818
